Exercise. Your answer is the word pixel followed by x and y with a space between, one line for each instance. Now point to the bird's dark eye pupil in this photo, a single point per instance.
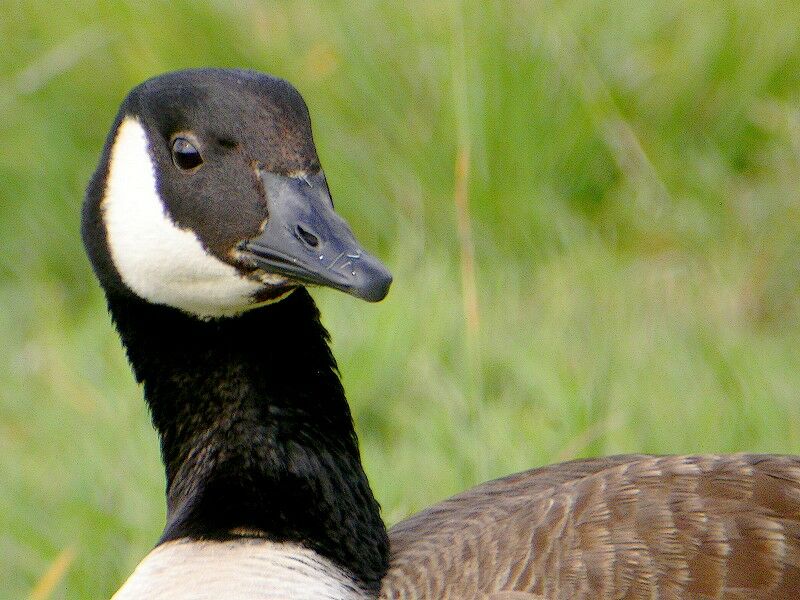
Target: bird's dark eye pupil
pixel 185 155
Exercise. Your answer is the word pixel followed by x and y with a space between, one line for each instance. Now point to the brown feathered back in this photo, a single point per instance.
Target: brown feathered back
pixel 625 527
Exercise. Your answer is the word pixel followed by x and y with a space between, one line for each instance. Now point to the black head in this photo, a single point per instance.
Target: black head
pixel 210 198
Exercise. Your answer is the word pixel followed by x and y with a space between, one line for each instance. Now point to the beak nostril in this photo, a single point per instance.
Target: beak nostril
pixel 308 238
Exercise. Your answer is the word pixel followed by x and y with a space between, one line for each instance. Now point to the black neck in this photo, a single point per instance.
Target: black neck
pixel 256 433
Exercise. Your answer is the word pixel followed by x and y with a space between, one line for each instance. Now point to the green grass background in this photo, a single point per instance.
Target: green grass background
pixel 633 180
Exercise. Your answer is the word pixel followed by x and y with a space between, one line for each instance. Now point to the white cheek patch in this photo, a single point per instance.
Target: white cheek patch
pixel 156 259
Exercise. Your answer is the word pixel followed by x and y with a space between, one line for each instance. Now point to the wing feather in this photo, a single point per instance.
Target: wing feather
pixel 629 527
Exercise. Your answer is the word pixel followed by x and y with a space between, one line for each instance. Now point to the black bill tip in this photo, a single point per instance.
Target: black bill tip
pixel 371 282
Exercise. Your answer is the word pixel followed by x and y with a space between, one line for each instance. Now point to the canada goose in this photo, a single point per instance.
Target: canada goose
pixel 205 219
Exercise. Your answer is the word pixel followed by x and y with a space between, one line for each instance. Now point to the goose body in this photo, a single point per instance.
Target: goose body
pixel 206 218
pixel 673 527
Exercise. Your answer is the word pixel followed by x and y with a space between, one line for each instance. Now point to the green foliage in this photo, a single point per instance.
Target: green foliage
pixel 634 199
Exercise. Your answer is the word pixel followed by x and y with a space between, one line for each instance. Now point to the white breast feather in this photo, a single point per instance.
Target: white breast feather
pixel 237 570
pixel 156 259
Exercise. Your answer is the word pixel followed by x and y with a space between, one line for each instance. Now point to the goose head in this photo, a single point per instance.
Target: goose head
pixel 210 198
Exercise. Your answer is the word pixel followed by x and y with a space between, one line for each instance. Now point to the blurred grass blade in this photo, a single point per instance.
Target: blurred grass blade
pixel 46 585
pixel 60 58
pixel 461 179
pixel 466 244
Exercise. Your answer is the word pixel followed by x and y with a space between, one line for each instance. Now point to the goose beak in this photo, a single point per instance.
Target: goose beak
pixel 305 240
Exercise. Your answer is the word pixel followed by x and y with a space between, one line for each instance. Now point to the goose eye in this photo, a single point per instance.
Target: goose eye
pixel 185 155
